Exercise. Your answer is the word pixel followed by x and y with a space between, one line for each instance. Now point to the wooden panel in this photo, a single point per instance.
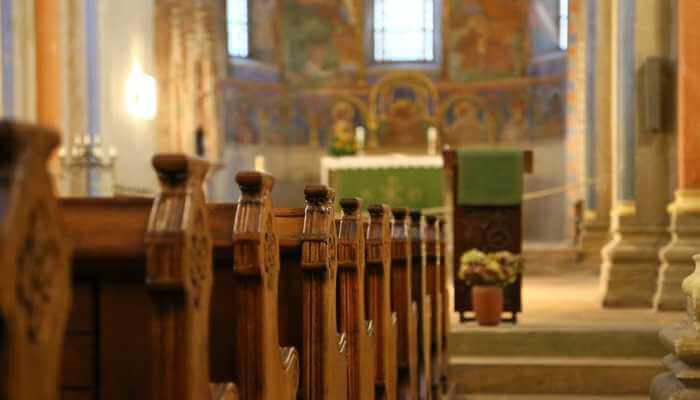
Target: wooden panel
pixel 124 327
pixel 78 394
pixel 82 314
pixel 78 363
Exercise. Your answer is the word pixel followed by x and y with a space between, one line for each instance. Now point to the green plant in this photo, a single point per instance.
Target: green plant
pixel 492 269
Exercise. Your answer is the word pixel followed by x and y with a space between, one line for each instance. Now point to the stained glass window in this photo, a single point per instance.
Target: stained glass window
pixel 237 21
pixel 404 30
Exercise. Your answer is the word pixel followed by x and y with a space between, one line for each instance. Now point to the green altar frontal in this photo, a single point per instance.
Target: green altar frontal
pixel 399 181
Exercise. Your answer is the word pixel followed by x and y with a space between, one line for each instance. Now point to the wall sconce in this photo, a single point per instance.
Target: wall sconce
pixel 141 99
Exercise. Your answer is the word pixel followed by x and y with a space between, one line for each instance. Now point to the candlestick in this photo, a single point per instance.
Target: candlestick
pixel 360 139
pixel 259 163
pixel 432 140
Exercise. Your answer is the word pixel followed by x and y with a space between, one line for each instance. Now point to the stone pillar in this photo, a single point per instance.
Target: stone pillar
pixel 675 258
pixel 640 160
pixel 683 341
pixel 47 22
pixel 595 232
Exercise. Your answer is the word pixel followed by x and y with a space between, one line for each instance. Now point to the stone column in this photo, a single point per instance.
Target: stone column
pixel 676 262
pixel 596 224
pixel 640 160
pixel 683 341
pixel 48 59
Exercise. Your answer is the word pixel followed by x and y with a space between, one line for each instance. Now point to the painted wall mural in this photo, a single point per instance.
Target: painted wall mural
pixel 322 41
pixel 486 96
pixel 263 37
pixel 488 39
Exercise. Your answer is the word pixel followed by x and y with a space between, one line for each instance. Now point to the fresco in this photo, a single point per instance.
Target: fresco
pixel 262 39
pixel 503 116
pixel 322 41
pixel 488 39
pixel 402 106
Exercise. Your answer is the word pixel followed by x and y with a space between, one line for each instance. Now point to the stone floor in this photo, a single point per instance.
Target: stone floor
pixel 564 346
pixel 573 299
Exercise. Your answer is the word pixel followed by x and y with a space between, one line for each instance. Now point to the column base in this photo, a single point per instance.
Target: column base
pixel 630 267
pixel 667 387
pixel 677 257
pixel 594 236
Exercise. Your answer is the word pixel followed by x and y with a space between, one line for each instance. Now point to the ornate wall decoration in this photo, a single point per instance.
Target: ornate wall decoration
pixel 488 39
pixel 322 42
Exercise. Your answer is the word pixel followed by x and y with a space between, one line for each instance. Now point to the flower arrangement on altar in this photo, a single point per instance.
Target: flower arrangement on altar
pixel 493 269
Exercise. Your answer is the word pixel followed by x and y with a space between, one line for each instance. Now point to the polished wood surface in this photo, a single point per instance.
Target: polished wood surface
pixel 406 308
pixel 35 291
pixel 421 296
pixel 435 290
pixel 362 341
pixel 378 263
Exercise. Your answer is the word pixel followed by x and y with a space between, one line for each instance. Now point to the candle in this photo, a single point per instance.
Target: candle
pixel 259 163
pixel 360 139
pixel 432 140
pixel 112 152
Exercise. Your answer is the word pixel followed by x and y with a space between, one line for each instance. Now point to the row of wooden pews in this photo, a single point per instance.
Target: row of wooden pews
pixel 177 298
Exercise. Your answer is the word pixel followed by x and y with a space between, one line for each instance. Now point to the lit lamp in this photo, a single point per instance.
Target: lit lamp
pixel 141 94
pixel 360 139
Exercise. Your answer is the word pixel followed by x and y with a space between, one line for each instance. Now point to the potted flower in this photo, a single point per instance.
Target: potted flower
pixel 487 274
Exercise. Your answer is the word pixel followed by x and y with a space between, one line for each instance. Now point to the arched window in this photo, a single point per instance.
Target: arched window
pixel 238 28
pixel 404 30
pixel 563 24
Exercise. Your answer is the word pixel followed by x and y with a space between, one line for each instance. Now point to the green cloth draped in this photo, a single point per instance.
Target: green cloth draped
pixel 489 177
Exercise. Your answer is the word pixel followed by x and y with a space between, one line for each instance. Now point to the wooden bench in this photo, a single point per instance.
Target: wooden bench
pixel 421 296
pixel 442 227
pixel 406 308
pixel 362 341
pixel 143 277
pixel 378 263
pixel 245 340
pixel 435 287
pixel 35 292
pixel 309 268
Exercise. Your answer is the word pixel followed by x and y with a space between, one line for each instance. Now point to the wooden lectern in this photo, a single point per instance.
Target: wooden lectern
pixel 487 228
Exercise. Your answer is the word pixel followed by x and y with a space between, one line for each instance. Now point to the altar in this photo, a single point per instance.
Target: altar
pixel 401 180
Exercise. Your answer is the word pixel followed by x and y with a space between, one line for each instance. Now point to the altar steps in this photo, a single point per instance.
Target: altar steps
pixel 544 397
pixel 551 362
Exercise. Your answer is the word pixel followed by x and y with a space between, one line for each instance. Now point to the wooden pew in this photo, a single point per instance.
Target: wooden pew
pixel 245 342
pixel 309 266
pixel 435 287
pixel 362 342
pixel 378 264
pixel 442 262
pixel 143 277
pixel 35 291
pixel 421 296
pixel 406 308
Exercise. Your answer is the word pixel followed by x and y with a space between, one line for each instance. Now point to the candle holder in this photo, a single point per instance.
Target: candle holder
pixel 86 168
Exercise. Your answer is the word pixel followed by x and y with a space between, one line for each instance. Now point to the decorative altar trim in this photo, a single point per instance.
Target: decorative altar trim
pixel 388 161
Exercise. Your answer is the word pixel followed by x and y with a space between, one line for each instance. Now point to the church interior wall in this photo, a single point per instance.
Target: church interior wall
pixel 126 46
pixel 280 104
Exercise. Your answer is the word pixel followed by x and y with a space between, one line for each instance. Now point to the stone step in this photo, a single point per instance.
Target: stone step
pixel 594 376
pixel 555 341
pixel 543 397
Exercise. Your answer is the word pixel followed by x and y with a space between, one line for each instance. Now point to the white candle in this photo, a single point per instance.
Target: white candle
pixel 432 140
pixel 259 163
pixel 360 138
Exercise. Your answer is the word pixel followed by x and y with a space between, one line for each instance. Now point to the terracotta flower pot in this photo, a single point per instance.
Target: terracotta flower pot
pixel 488 304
